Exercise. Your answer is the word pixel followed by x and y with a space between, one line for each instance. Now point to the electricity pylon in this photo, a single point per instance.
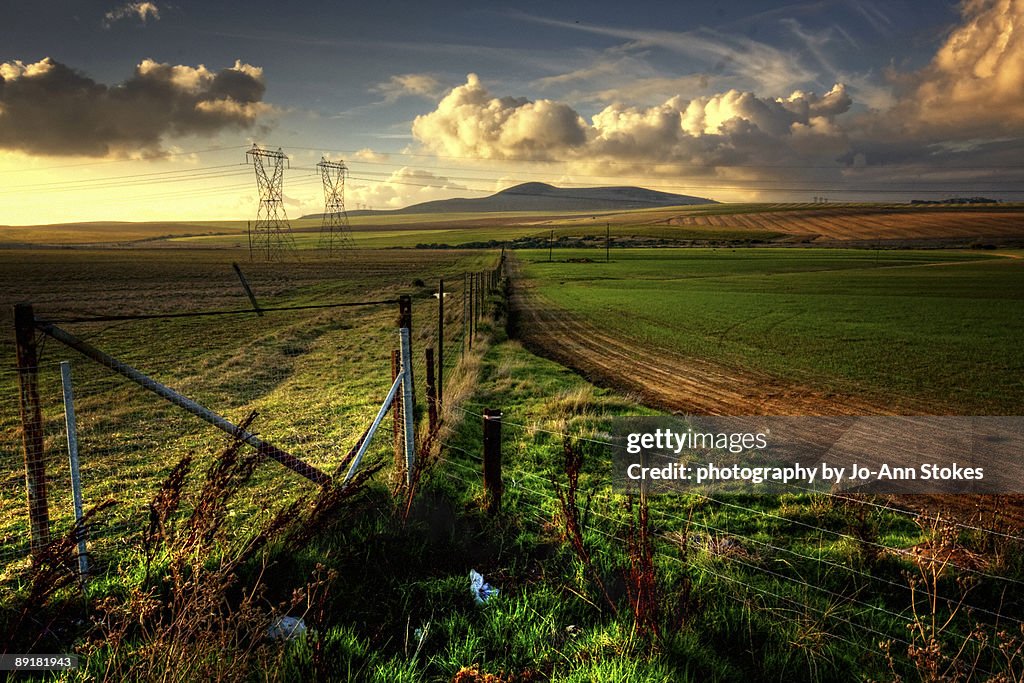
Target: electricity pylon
pixel 271 234
pixel 334 231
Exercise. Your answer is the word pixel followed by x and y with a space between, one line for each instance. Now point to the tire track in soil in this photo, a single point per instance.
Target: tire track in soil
pixel 667 380
pixel 680 384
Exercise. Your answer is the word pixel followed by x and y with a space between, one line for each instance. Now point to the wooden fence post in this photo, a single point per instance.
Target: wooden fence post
pixel 492 460
pixel 440 342
pixel 469 310
pixel 431 391
pixel 32 425
pixel 248 290
pixel 480 296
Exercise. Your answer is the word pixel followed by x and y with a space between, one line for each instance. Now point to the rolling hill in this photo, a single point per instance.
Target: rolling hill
pixel 544 197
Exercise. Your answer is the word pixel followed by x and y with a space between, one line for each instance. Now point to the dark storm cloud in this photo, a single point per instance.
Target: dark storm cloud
pixel 49 108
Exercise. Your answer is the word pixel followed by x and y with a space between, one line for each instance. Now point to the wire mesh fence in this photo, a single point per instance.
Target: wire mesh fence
pixel 315 376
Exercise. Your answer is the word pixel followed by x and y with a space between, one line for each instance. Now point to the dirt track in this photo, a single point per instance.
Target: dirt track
pixel 669 381
pixel 694 386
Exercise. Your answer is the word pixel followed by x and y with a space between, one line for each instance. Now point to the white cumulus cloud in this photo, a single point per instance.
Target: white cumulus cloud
pixel 469 121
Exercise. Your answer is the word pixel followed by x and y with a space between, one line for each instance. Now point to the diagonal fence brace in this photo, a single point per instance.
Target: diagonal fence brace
pixel 373 427
pixel 88 350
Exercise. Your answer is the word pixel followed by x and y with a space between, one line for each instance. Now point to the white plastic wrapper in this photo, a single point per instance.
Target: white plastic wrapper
pixel 482 591
pixel 286 628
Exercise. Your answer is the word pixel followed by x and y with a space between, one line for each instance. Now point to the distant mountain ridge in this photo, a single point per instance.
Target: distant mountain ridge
pixel 544 197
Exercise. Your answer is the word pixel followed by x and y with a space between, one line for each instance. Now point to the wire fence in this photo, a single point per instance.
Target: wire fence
pixel 315 373
pixel 856 601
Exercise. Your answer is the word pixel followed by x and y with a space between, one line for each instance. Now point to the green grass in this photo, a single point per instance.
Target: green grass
pixel 796 597
pixel 315 377
pixel 802 602
pixel 918 325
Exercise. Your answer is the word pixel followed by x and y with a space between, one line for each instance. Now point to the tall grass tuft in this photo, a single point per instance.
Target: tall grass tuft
pixel 203 610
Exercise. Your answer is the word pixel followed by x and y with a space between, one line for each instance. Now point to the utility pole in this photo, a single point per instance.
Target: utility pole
pixel 271 234
pixel 334 228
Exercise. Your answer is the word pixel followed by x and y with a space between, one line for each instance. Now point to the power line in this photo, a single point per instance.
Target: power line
pixel 355 154
pixel 104 162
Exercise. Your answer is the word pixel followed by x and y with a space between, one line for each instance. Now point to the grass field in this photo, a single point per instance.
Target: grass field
pixel 792 587
pixel 713 222
pixel 316 377
pixel 941 329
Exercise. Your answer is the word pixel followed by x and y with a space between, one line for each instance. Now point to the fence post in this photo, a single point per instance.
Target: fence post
pixel 492 459
pixel 76 481
pixel 440 342
pixel 431 390
pixel 469 310
pixel 396 362
pixel 31 425
pixel 248 290
pixel 408 400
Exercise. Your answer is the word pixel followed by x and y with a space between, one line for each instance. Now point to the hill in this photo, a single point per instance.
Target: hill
pixel 544 197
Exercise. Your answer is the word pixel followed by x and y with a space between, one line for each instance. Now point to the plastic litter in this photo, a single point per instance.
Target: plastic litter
pixel 481 590
pixel 286 628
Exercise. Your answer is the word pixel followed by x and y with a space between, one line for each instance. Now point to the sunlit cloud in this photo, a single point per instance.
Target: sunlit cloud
pixel 403 187
pixel 911 126
pixel 143 11
pixel 419 85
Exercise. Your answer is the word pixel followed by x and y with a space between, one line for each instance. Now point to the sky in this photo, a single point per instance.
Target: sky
pixel 131 111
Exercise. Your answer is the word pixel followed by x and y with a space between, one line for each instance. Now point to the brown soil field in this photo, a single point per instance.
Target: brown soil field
pixel 865 223
pixel 809 222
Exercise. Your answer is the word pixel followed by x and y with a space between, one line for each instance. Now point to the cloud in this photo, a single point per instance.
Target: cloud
pixel 731 127
pixel 367 154
pixel 143 10
pixel 956 124
pixel 48 108
pixel 973 85
pixel 403 187
pixel 420 85
pixel 469 122
pixel 750 61
pixel 963 109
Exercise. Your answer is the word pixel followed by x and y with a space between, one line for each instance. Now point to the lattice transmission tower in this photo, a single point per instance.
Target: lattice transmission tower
pixel 271 234
pixel 334 231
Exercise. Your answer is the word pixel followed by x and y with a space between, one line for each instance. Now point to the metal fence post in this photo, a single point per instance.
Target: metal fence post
pixel 31 425
pixel 396 367
pixel 76 481
pixel 405 335
pixel 493 485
